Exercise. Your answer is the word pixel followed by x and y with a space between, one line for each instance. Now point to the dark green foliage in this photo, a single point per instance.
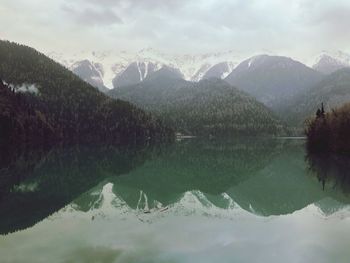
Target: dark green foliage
pixel 75 110
pixel 329 132
pixel 208 107
pixel 22 118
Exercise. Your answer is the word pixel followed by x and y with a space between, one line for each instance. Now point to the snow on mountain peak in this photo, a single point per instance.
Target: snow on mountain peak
pixel 255 59
pixel 113 63
pixel 330 61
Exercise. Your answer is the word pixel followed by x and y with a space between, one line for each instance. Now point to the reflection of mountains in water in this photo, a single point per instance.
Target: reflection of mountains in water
pixel 278 183
pixel 265 177
pixel 105 203
pixel 36 185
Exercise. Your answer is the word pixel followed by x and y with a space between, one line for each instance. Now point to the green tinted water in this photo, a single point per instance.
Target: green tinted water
pixel 239 200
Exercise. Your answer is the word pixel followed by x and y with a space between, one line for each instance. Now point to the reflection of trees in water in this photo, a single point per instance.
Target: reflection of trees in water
pixel 261 176
pixel 16 164
pixel 267 175
pixel 331 170
pixel 35 184
pixel 211 167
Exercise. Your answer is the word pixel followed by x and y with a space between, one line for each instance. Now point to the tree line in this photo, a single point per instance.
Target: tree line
pixel 329 131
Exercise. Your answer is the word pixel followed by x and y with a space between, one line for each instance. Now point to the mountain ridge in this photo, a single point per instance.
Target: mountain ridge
pixel 210 106
pixel 115 63
pixel 273 80
pixel 333 91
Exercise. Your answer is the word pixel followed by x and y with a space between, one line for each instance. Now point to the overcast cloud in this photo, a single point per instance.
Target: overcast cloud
pixel 300 28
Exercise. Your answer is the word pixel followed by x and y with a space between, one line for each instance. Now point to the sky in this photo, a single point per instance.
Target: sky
pixel 296 28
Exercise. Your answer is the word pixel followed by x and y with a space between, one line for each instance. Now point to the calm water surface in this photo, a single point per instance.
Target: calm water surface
pixel 238 200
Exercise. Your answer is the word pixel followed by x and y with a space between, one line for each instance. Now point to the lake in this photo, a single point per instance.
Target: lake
pixel 220 200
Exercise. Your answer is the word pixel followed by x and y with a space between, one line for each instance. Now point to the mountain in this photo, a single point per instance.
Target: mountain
pixel 75 110
pixel 206 107
pixel 200 72
pixel 329 62
pixel 135 73
pixel 333 91
pixel 90 72
pixel 131 67
pixel 273 79
pixel 220 70
pixel 165 73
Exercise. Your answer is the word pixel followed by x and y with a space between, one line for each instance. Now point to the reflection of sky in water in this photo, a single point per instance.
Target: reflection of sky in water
pixel 190 230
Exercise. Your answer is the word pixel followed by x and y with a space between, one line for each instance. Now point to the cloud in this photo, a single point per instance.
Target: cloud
pixel 247 26
pixel 92 17
pixel 333 17
pixel 26 88
pixel 136 4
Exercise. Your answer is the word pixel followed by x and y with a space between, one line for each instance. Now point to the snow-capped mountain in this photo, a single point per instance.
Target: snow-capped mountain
pixel 106 202
pixel 194 67
pixel 122 67
pixel 135 73
pixel 220 70
pixel 109 203
pixel 90 72
pixel 165 73
pixel 329 62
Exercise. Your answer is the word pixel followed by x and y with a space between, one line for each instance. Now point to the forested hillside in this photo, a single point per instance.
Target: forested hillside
pixel 207 107
pixel 333 91
pixel 22 117
pixel 74 110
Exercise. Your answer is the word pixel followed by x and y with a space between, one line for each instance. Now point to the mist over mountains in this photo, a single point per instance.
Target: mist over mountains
pixel 329 62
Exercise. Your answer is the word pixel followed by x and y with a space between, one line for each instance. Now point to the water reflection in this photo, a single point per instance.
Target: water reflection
pixel 209 167
pixel 213 178
pixel 331 170
pixel 262 177
pixel 36 184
